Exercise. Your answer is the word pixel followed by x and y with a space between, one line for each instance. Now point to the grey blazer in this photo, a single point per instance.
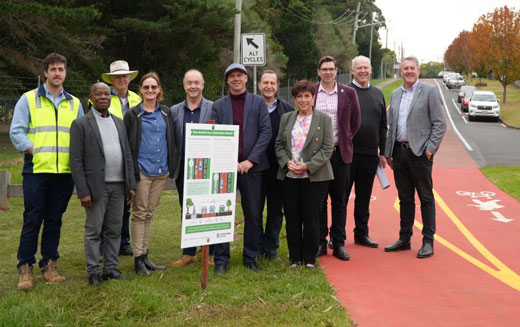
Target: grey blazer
pixel 177 112
pixel 316 151
pixel 426 123
pixel 87 159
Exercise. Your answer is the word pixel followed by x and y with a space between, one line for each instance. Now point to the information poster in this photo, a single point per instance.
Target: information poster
pixel 210 183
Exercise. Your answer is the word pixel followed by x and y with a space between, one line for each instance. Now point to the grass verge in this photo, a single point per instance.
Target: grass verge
pixel 507 178
pixel 278 296
pixel 387 90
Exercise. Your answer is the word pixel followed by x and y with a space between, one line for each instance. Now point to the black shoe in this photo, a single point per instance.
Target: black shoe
pixel 426 251
pixel 322 250
pixel 95 279
pixel 340 253
pixel 331 245
pixel 139 266
pixel 126 251
pixel 114 274
pixel 150 265
pixel 273 257
pixel 400 245
pixel 365 241
pixel 253 267
pixel 220 269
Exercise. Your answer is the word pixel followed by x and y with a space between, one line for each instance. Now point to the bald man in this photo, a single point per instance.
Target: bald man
pixel 103 172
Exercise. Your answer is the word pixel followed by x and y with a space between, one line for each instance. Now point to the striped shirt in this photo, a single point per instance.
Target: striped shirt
pixel 328 103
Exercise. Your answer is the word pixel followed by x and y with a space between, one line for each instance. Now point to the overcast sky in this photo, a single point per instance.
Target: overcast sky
pixel 427 27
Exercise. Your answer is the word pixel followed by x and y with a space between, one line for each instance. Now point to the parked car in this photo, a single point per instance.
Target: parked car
pixel 455 80
pixel 464 104
pixel 483 104
pixel 445 76
pixel 463 90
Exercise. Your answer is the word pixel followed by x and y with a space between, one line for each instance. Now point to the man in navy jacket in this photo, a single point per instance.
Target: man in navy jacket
pixel 249 111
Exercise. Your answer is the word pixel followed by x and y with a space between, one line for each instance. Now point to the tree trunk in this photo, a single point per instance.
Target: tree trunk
pixel 505 92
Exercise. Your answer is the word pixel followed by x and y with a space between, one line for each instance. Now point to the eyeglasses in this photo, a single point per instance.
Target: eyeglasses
pixel 327 69
pixel 147 87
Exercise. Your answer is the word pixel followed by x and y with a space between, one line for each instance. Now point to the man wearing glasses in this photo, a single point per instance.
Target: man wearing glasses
pixel 341 103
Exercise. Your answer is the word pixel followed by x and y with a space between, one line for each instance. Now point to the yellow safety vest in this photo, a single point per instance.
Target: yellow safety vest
pixel 49 131
pixel 115 103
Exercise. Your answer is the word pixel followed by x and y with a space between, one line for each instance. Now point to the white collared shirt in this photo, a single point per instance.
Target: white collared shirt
pixel 404 110
pixel 359 85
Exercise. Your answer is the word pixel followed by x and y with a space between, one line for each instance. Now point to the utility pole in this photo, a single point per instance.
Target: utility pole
pixel 356 23
pixel 238 22
pixel 371 36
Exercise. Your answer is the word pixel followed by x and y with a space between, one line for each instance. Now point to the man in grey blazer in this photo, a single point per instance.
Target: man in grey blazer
pixel 103 171
pixel 195 109
pixel 249 111
pixel 416 125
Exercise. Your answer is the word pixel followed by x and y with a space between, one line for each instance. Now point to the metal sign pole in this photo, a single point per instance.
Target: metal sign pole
pixel 254 79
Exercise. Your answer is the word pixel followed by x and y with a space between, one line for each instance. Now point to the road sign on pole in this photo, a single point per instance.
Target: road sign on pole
pixel 253 49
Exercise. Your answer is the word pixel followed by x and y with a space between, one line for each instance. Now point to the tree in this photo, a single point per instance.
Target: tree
pixel 457 55
pixel 431 69
pixel 228 203
pixel 476 53
pixel 499 38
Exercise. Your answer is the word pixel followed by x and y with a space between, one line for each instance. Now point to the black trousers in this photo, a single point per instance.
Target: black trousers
pixel 179 183
pixel 303 201
pixel 338 196
pixel 272 192
pixel 413 173
pixel 362 172
pixel 250 186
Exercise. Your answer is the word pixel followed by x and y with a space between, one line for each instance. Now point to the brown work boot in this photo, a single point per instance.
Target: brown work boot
pixel 25 280
pixel 50 273
pixel 211 261
pixel 184 260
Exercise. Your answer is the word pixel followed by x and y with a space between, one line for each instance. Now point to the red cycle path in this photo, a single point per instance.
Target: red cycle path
pixel 473 278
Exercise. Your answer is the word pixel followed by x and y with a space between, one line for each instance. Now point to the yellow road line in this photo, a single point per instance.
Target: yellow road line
pixel 502 272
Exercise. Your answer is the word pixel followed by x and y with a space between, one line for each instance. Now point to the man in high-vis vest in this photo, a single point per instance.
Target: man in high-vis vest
pixel 122 99
pixel 41 129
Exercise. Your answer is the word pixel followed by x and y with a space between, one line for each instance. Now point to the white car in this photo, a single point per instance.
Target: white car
pixel 483 104
pixel 455 80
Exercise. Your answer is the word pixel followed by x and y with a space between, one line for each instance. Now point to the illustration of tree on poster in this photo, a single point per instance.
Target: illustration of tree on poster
pixel 210 166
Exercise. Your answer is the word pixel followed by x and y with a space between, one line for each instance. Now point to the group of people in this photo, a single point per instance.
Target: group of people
pixel 120 154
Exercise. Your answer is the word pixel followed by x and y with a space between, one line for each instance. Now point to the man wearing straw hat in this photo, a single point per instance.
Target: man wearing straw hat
pixel 122 99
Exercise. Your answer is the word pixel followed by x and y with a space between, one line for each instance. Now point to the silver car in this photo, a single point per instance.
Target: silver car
pixel 455 80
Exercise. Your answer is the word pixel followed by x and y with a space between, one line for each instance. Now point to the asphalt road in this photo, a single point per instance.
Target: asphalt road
pixel 488 143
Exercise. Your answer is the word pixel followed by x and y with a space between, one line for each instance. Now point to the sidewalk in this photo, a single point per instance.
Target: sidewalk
pixel 385 83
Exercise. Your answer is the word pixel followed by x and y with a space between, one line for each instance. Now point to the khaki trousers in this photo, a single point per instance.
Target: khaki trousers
pixel 148 194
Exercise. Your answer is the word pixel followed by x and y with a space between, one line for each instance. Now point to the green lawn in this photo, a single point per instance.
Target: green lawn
pixel 510 111
pixel 507 178
pixel 387 90
pixel 278 296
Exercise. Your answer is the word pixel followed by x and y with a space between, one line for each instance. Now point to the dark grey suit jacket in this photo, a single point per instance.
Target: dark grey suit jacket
pixel 87 159
pixel 177 112
pixel 256 127
pixel 426 123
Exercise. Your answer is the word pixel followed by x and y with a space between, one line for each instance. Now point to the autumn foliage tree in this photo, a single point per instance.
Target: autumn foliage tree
pixel 492 45
pixel 499 38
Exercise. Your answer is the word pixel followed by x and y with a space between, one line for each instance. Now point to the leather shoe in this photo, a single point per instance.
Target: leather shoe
pixel 114 274
pixel 426 251
pixel 331 245
pixel 365 241
pixel 322 250
pixel 253 267
pixel 127 251
pixel 340 253
pixel 400 245
pixel 95 279
pixel 150 265
pixel 273 257
pixel 220 269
